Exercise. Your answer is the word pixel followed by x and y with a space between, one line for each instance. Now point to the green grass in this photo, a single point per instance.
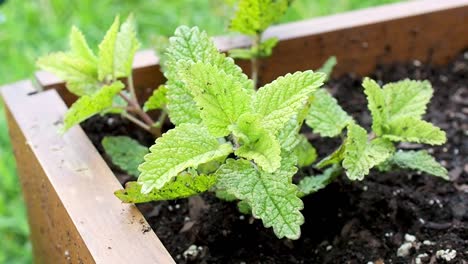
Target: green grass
pixel 29 29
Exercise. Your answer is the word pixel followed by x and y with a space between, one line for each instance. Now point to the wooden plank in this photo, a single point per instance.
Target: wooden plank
pixel 431 31
pixel 68 187
pixel 427 30
pixel 53 234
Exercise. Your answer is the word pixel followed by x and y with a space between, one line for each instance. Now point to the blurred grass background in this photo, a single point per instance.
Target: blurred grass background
pixel 29 29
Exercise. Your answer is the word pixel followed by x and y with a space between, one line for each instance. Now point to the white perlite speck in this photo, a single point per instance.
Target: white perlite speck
pixel 404 249
pixel 418 258
pixel 191 252
pixel 428 243
pixel 410 238
pixel 447 254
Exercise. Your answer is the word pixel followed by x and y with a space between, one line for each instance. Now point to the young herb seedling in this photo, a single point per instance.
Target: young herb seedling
pixel 218 114
pixel 252 18
pixel 242 143
pixel 397 111
pixel 98 79
pixel 245 144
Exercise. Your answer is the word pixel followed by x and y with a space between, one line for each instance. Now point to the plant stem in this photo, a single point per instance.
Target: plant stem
pixel 129 109
pixel 131 88
pixel 148 120
pixel 156 128
pixel 162 118
pixel 137 109
pixel 254 59
pixel 137 122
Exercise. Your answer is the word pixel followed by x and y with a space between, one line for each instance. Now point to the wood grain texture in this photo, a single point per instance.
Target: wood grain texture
pixel 431 31
pixel 68 187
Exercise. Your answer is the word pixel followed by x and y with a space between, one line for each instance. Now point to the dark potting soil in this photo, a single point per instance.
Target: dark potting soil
pixel 347 222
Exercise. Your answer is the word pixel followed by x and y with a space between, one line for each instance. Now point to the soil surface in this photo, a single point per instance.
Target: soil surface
pixel 347 222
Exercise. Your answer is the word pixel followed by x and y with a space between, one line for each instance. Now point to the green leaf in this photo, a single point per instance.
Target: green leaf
pixel 419 161
pixel 118 105
pixel 185 146
pixel 326 117
pixel 280 100
pixel 244 54
pixel 305 152
pixel 411 129
pixel 211 166
pixel 125 152
pixel 407 98
pixel 288 135
pixel 187 46
pixel 328 67
pixel 83 87
pixel 106 62
pixel 336 157
pixel 79 74
pixel 157 100
pixel 396 102
pixel 360 155
pixel 254 16
pixel 126 46
pixel 182 186
pixel 224 195
pixel 117 50
pixel 219 96
pixel 272 196
pixel 89 105
pixel 76 67
pixel 79 47
pixel 311 184
pixel 376 104
pixel 265 48
pixel 257 143
pixel 244 207
pixel 232 176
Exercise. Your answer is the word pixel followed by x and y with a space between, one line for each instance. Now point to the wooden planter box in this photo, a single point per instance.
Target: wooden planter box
pixel 67 186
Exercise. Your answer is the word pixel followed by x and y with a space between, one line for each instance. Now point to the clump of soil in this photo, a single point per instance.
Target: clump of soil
pixel 347 222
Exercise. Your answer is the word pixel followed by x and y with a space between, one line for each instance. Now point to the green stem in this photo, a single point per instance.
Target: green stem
pixel 161 119
pixel 137 122
pixel 254 61
pixel 156 128
pixel 131 88
pixel 137 109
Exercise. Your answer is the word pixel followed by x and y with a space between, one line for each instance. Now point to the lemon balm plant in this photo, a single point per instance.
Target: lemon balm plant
pixel 96 79
pixel 218 113
pixel 230 137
